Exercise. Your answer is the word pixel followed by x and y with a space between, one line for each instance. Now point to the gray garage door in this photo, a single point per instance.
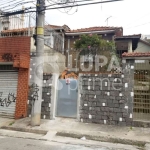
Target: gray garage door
pixel 8 91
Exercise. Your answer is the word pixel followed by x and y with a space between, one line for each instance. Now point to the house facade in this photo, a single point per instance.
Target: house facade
pixel 143 46
pixel 72 55
pixel 16 74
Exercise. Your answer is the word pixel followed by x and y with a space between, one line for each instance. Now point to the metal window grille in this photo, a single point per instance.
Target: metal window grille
pixel 142 90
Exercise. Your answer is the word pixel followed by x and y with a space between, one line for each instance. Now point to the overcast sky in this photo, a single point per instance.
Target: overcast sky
pixel 132 15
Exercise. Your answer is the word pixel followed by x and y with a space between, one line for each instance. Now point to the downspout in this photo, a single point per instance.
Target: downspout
pixel 68 51
pixel 63 41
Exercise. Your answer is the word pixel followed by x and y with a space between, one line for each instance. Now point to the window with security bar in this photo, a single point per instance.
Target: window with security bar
pixel 142 90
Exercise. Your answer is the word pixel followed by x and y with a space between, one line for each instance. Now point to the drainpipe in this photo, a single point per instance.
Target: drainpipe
pixel 77 55
pixel 63 42
pixel 68 51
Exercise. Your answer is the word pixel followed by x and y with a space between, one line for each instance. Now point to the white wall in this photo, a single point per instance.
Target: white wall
pixel 54 62
pixel 142 47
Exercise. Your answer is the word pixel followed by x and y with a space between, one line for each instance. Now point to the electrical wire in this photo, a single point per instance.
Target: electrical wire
pixel 17 5
pixel 138 19
pixel 67 12
pixel 137 26
pixel 83 4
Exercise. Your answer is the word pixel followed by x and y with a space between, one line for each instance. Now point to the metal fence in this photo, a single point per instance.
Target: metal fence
pixel 142 90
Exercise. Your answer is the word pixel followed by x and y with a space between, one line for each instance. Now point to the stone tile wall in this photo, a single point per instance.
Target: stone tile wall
pixel 108 98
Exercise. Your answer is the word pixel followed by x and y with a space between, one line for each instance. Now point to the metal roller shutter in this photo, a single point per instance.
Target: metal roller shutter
pixel 8 93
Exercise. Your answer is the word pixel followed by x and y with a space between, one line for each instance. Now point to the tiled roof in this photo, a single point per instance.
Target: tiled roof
pixel 136 54
pixel 102 28
pixel 55 26
pixel 129 36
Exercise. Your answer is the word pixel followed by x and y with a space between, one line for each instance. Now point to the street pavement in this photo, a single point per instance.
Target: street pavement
pixel 72 128
pixel 15 140
pixel 9 143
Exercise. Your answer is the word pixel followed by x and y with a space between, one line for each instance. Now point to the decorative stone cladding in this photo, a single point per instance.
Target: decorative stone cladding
pixel 46 93
pixel 46 96
pixel 108 98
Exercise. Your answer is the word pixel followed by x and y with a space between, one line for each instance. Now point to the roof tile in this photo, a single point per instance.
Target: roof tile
pixel 136 54
pixel 101 28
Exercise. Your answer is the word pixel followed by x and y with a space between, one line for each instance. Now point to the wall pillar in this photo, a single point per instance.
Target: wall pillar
pixel 130 46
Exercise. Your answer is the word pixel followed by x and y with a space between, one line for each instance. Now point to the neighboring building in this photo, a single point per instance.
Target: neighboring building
pixel 143 46
pixel 14 76
pixel 12 22
pixel 17 50
pixel 107 33
pixel 127 43
pixel 53 48
pixel 131 43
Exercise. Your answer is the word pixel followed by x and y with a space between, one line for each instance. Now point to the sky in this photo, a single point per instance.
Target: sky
pixel 132 15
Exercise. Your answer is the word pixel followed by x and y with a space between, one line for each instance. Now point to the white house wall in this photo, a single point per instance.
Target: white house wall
pixel 142 48
pixel 54 62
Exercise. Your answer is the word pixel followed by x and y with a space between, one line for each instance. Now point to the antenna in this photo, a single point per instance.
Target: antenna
pixel 107 19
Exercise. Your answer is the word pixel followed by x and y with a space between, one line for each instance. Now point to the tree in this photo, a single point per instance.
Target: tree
pixel 90 45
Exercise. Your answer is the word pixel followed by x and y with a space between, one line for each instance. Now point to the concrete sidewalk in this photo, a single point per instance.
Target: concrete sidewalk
pixel 72 128
pixel 6 121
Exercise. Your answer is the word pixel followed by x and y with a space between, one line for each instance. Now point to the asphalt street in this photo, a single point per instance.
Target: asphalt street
pixel 11 143
pixel 15 140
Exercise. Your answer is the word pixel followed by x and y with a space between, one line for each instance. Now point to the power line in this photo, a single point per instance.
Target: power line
pixel 47 7
pixel 138 25
pixel 109 1
pixel 138 19
pixel 16 5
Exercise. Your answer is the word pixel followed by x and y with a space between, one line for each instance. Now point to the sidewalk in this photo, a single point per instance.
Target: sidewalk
pixel 72 128
pixel 6 121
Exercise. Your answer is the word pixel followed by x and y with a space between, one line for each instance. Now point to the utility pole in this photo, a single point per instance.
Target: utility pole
pixel 38 78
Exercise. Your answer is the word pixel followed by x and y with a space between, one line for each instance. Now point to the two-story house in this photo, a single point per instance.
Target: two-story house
pixel 107 33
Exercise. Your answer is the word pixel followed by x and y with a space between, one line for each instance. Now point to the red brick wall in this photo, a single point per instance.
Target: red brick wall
pixel 17 50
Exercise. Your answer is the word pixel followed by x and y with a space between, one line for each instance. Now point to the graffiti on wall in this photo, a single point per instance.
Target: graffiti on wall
pixel 7 101
pixel 7 57
pixel 35 90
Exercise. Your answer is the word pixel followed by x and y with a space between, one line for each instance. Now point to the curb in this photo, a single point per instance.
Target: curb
pixel 102 138
pixel 25 130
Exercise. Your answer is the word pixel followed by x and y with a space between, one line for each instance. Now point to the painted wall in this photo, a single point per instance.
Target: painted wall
pixel 142 48
pixel 54 62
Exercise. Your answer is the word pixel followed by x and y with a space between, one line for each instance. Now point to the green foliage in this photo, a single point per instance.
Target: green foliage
pixel 92 41
pixel 92 45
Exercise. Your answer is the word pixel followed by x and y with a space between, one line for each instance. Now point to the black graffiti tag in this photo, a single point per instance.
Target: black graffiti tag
pixel 35 90
pixel 7 101
pixel 7 57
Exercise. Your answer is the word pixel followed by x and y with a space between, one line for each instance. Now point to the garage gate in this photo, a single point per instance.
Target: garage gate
pixel 142 90
pixel 8 90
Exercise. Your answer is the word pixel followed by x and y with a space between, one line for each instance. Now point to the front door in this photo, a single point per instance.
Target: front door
pixel 67 98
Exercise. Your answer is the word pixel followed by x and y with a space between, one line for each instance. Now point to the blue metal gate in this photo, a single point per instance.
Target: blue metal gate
pixel 67 98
